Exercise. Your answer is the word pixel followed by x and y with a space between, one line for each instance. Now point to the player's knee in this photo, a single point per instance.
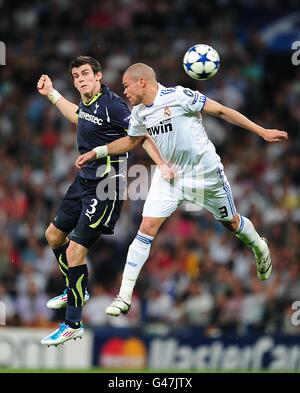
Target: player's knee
pixel 55 237
pixel 149 227
pixel 76 254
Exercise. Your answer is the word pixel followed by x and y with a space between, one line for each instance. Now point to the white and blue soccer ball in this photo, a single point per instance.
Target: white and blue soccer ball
pixel 201 62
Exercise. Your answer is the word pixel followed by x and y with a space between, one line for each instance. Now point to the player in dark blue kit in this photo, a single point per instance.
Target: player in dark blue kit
pixel 101 117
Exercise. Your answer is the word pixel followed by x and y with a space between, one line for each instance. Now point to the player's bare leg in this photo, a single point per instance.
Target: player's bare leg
pixel 138 253
pixel 245 231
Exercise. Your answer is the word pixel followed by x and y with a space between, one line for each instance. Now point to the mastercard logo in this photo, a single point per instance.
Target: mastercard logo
pixel 123 353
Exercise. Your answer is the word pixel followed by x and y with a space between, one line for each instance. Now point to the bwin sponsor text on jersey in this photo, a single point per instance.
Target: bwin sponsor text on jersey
pixel 91 118
pixel 162 128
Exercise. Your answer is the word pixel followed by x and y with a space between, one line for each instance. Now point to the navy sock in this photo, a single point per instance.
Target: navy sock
pixel 73 316
pixel 78 282
pixel 61 257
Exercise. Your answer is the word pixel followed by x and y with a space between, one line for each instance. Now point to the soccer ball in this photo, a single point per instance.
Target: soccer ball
pixel 201 62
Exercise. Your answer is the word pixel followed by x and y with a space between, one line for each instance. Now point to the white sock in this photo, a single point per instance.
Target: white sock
pixel 248 235
pixel 138 253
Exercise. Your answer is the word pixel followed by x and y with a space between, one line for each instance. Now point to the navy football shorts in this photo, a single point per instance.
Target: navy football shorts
pixel 90 208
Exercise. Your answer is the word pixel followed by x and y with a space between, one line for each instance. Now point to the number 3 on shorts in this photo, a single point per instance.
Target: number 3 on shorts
pixel 223 211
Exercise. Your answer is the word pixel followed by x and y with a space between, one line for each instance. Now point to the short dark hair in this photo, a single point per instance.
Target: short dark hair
pixel 81 60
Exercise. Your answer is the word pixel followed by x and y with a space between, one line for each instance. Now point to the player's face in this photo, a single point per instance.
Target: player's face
pixel 133 89
pixel 85 81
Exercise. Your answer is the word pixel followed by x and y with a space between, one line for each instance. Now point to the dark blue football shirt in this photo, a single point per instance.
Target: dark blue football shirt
pixel 104 119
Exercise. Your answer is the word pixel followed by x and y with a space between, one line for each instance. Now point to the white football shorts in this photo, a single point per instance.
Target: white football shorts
pixel 211 191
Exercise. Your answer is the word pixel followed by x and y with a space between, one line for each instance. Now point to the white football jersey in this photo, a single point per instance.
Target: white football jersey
pixel 174 123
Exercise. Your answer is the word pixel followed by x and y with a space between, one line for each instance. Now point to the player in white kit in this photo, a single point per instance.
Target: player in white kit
pixel 171 116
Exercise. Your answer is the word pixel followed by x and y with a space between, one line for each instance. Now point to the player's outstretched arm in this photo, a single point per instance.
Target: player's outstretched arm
pixel 214 108
pixel 67 108
pixel 119 146
pixel 167 172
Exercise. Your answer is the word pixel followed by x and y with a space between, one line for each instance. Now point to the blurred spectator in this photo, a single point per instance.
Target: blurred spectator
pixel 10 308
pixel 198 305
pixel 94 311
pixel 31 307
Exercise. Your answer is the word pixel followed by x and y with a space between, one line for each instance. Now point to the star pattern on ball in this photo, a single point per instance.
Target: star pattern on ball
pixel 189 66
pixel 201 62
pixel 203 58
pixel 203 75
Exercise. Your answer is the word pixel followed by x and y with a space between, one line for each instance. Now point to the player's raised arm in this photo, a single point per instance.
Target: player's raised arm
pixel 166 171
pixel 67 108
pixel 118 146
pixel 270 135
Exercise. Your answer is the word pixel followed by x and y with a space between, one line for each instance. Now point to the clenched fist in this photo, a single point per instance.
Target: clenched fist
pixel 44 85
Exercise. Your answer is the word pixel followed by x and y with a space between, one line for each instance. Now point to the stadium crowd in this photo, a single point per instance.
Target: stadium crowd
pixel 197 274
